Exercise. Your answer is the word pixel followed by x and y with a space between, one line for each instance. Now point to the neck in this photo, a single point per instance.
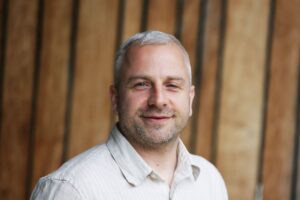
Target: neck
pixel 162 160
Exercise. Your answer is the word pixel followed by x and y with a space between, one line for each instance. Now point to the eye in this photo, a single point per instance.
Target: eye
pixel 171 85
pixel 141 85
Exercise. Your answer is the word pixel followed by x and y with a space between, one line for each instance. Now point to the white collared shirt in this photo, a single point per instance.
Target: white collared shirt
pixel 115 171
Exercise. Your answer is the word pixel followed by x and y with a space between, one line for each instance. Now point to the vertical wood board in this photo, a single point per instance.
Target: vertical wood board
pixel 91 110
pixel 298 170
pixel 208 79
pixel 242 96
pixel 53 77
pixel 17 98
pixel 132 18
pixel 282 102
pixel 188 37
pixel 2 29
pixel 162 15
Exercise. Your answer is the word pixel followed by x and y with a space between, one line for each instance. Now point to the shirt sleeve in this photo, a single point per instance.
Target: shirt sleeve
pixel 221 191
pixel 54 189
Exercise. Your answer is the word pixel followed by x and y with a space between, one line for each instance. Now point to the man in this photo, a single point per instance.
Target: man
pixel 143 157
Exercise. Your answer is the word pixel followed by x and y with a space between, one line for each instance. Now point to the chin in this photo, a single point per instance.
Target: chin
pixel 160 136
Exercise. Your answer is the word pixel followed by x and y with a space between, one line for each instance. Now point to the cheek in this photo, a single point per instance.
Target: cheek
pixel 132 102
pixel 183 105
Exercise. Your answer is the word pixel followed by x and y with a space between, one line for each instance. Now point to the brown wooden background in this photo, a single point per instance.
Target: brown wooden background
pixel 56 59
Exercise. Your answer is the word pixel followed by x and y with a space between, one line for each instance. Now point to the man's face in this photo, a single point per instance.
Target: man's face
pixel 155 96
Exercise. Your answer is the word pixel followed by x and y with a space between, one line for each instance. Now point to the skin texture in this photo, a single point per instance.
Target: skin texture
pixel 154 99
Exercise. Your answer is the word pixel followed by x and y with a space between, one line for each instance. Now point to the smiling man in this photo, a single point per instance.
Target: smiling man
pixel 144 157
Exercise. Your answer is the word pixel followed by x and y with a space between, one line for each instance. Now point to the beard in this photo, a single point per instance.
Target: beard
pixel 150 135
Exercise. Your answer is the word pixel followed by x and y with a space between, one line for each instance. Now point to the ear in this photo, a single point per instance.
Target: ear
pixel 113 98
pixel 192 95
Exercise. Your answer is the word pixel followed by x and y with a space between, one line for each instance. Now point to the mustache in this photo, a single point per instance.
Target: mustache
pixel 156 111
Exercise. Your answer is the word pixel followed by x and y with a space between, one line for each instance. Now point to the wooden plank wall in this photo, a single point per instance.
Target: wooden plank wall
pixel 56 61
pixel 241 99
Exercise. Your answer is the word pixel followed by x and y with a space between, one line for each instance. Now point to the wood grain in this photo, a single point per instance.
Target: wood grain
pixel 207 90
pixel 237 143
pixel 298 167
pixel 297 161
pixel 91 110
pixel 132 18
pixel 2 29
pixel 162 15
pixel 242 96
pixel 282 102
pixel 188 37
pixel 53 77
pixel 17 98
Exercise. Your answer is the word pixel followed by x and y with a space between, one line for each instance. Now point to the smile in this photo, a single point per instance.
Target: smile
pixel 156 118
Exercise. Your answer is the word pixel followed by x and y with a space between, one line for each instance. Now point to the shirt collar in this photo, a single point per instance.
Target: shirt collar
pixel 136 170
pixel 186 166
pixel 133 167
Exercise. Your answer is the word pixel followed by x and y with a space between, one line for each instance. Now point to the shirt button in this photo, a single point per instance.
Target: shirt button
pixel 153 176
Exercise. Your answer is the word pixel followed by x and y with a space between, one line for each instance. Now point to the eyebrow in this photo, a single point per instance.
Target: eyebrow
pixel 175 78
pixel 133 78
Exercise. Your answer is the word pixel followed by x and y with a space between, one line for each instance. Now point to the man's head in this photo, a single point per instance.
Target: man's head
pixel 148 38
pixel 152 93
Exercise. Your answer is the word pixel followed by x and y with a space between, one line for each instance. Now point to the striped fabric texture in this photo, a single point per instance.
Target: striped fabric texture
pixel 115 171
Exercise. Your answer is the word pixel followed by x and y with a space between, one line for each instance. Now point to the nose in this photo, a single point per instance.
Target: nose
pixel 157 97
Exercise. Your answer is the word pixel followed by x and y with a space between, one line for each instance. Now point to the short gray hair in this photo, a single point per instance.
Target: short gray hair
pixel 148 38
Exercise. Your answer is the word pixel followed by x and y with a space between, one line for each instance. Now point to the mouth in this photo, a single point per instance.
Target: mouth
pixel 156 118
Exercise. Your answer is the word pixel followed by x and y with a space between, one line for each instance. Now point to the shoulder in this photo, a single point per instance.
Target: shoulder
pixel 74 176
pixel 206 167
pixel 82 163
pixel 51 188
pixel 210 175
pixel 203 164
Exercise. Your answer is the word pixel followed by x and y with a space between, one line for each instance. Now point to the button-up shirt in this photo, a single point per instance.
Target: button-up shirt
pixel 115 171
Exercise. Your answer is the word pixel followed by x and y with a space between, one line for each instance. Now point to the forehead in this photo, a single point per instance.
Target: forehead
pixel 155 60
pixel 137 51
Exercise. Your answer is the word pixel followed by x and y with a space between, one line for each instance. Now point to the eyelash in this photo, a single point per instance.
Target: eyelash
pixel 141 84
pixel 144 85
pixel 172 86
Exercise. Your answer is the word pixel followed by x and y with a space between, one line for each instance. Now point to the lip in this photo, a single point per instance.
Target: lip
pixel 156 118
